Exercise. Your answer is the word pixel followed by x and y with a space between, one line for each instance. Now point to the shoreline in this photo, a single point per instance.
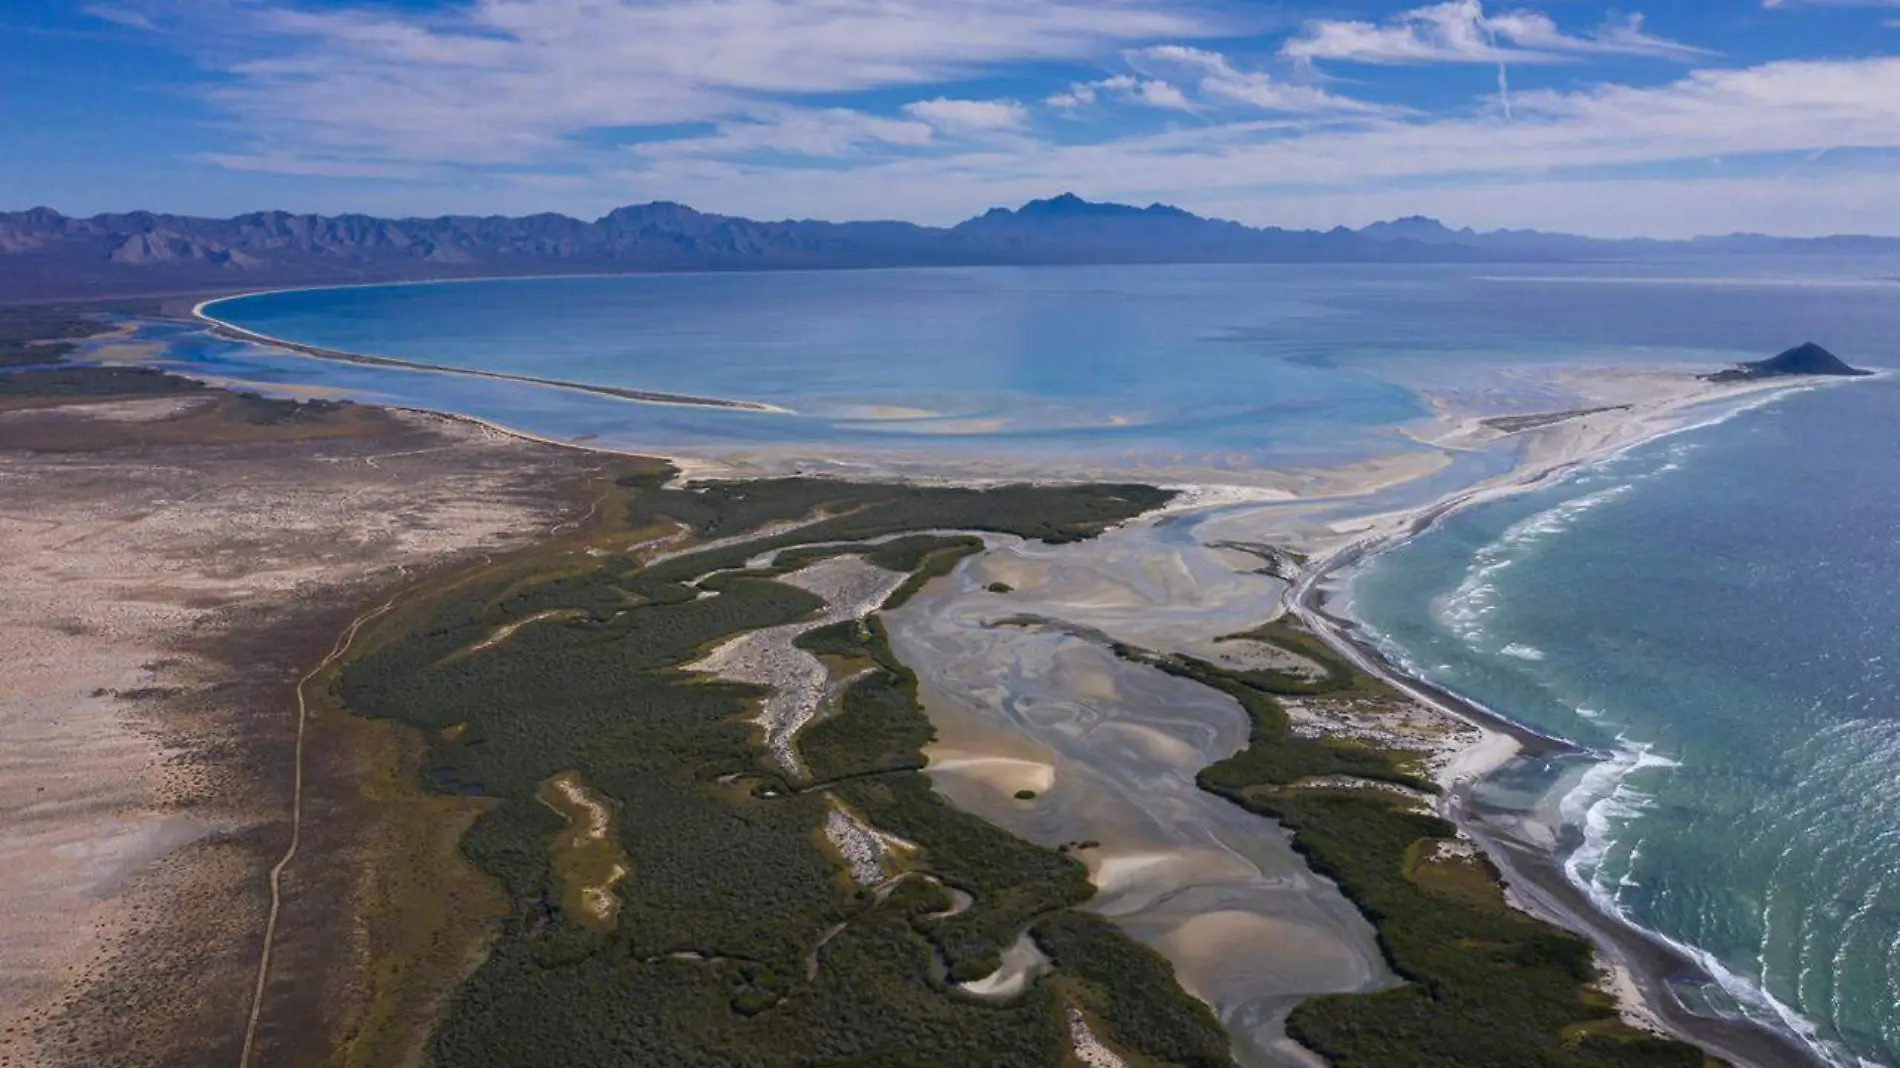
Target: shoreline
pixel 1642 964
pixel 232 332
pixel 1536 876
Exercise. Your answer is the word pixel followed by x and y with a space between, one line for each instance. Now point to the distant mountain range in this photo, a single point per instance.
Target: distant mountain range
pixel 46 255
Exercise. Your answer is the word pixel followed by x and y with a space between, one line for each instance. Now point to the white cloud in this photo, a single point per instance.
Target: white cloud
pixel 814 132
pixel 123 16
pixel 1459 31
pixel 724 104
pixel 1264 171
pixel 513 81
pixel 1780 5
pixel 1217 80
pixel 1152 92
pixel 969 114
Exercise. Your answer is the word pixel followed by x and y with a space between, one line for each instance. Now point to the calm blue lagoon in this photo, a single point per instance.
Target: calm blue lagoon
pixel 1203 368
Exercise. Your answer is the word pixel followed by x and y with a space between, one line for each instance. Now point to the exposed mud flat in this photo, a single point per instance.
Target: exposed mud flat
pixel 1111 749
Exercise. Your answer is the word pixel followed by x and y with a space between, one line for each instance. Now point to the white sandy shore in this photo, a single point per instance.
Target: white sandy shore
pixel 1638 406
pixel 300 350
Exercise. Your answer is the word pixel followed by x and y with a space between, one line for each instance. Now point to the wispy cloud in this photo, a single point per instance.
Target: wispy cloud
pixel 123 16
pixel 890 107
pixel 1125 88
pixel 1216 79
pixel 1259 170
pixel 1460 31
pixel 810 132
pixel 969 114
pixel 513 81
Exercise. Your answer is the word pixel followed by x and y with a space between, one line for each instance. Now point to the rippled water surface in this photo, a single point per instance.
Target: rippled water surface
pixel 1719 610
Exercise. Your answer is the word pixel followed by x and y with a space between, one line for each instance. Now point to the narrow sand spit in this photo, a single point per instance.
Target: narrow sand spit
pixel 852 588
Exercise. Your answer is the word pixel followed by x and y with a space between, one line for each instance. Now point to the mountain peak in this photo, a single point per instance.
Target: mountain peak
pixel 1068 204
pixel 1412 228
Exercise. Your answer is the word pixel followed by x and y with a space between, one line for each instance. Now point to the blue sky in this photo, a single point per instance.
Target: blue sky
pixel 1679 117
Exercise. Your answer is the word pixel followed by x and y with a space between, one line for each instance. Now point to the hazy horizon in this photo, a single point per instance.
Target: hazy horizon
pixel 598 216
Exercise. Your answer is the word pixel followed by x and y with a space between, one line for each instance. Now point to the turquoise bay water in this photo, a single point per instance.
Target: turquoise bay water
pixel 1212 367
pixel 1716 612
pixel 1720 612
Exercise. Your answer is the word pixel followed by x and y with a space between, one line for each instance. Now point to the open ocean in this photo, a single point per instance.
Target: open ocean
pixel 1717 613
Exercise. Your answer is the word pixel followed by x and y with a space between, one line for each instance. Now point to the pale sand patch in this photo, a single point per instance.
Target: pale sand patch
pixel 868 852
pixel 1088 1048
pixel 1134 877
pixel 888 413
pixel 138 410
pixel 1616 980
pixel 1022 963
pixel 588 842
pixel 598 817
pixel 1492 750
pixel 956 426
pixel 852 588
pixel 1003 774
pixel 507 631
pixel 967 749
pixel 1154 744
pixel 1017 572
pixel 1212 944
pixel 690 469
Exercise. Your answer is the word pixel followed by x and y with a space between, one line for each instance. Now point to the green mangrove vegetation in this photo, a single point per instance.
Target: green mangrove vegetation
pixel 1487 986
pixel 32 334
pixel 736 935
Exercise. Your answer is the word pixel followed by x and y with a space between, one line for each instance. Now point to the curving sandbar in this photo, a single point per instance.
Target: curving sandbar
pixel 232 332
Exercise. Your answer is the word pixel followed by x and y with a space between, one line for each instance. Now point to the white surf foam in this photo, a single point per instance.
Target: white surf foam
pixel 1604 803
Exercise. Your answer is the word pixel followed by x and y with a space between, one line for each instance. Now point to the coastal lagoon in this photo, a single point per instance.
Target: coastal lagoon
pixel 1710 613
pixel 1222 371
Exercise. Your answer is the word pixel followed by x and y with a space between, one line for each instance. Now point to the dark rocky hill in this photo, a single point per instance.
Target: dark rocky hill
pixel 1805 359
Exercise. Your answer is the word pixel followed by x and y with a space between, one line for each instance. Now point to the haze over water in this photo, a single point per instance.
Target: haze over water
pixel 1715 612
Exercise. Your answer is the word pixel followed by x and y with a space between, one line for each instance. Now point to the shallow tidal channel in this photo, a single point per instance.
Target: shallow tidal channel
pixel 1028 699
